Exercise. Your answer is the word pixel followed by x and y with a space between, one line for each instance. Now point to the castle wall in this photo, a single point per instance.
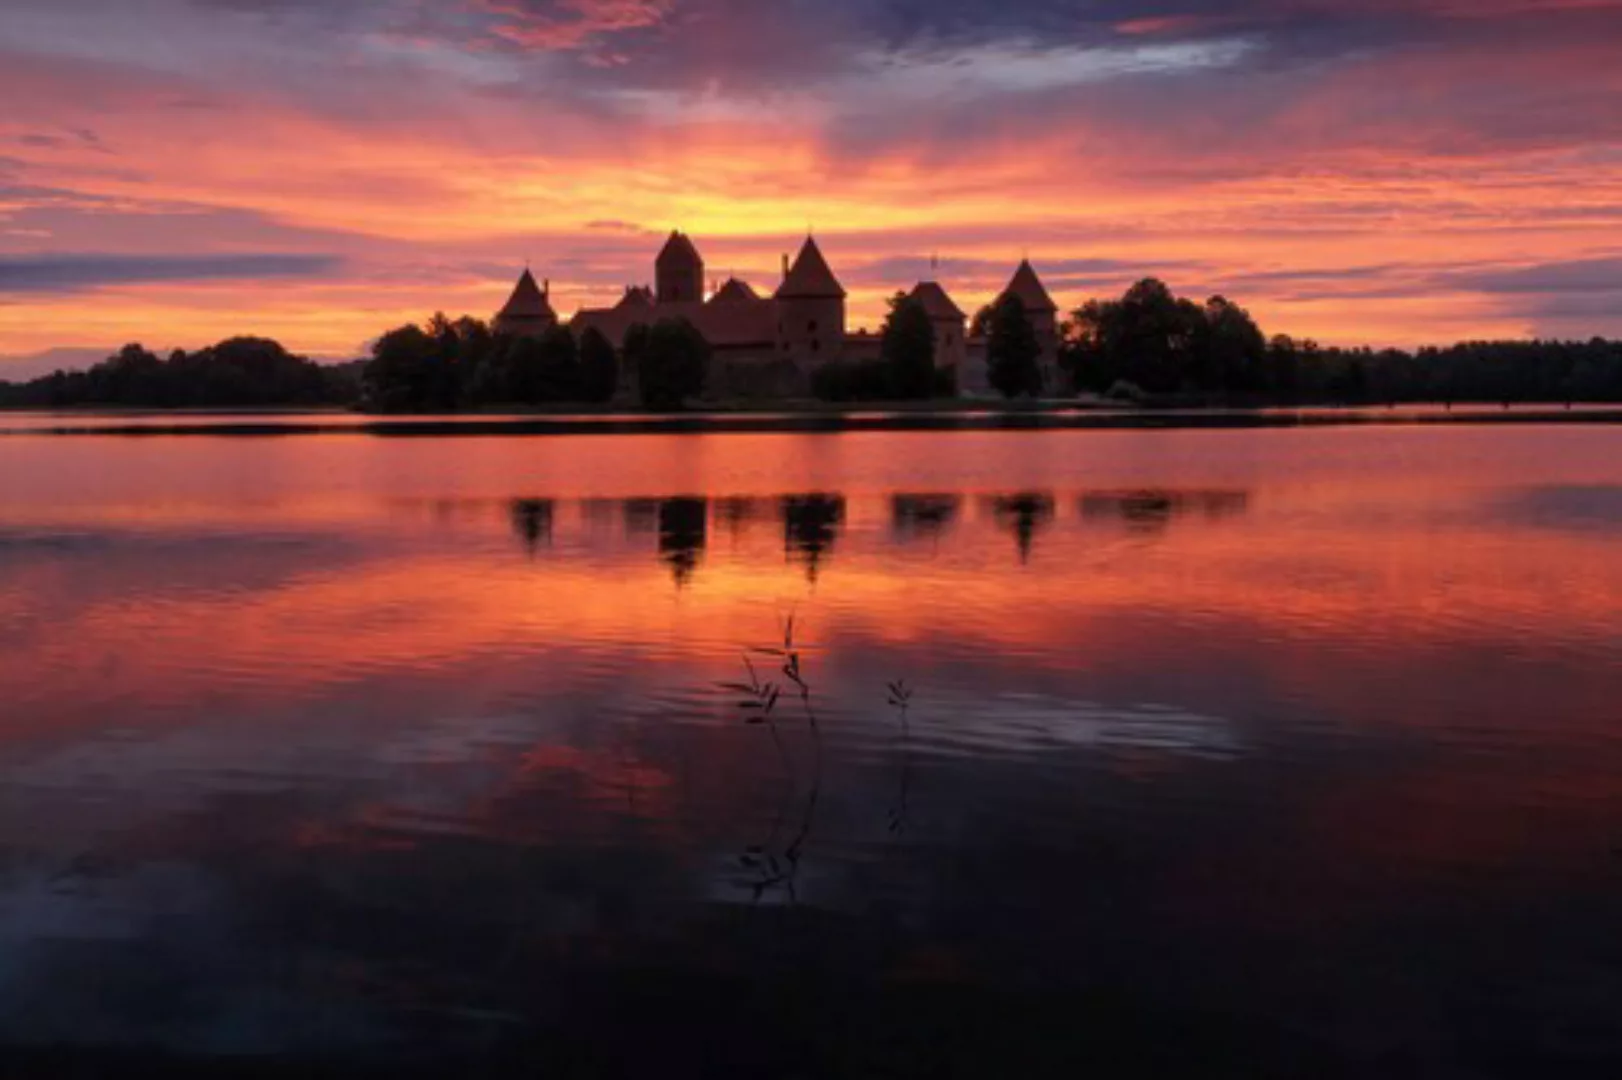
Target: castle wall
pixel 974 377
pixel 525 327
pixel 810 331
pixel 755 375
pixel 951 346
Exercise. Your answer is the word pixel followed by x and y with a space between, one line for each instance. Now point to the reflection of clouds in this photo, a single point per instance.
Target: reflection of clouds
pixel 168 560
pixel 1016 723
pixel 1592 508
pixel 419 778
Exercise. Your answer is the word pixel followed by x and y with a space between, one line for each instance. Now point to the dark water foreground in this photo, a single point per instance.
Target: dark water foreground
pixel 1236 753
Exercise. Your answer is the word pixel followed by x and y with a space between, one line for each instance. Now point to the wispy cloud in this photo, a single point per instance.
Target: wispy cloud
pixel 1388 170
pixel 79 272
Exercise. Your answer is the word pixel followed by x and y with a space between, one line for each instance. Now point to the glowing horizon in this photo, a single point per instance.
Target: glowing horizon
pixel 1358 171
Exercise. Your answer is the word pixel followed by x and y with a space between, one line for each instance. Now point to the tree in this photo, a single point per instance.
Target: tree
pixel 246 371
pixel 1231 351
pixel 526 370
pixel 1012 350
pixel 401 375
pixel 134 376
pixel 1084 354
pixel 444 390
pixel 1155 335
pixel 907 346
pixel 476 346
pixel 1282 371
pixel 980 325
pixel 673 361
pixel 556 376
pixel 599 370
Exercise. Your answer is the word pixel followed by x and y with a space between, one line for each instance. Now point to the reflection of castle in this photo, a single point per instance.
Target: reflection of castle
pixel 768 346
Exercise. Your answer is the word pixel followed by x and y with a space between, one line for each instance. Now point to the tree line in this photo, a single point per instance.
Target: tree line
pixel 1149 346
pixel 243 372
pixel 454 364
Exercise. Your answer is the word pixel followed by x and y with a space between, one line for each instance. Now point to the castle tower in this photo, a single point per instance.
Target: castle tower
pixel 529 312
pixel 951 344
pixel 811 310
pixel 679 272
pixel 1043 315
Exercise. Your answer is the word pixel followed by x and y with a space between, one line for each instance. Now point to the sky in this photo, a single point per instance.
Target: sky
pixel 1397 172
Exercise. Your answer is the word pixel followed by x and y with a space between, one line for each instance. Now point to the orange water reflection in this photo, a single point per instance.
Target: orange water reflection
pixel 1293 692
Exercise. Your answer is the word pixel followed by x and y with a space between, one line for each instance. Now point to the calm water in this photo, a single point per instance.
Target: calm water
pixel 1288 752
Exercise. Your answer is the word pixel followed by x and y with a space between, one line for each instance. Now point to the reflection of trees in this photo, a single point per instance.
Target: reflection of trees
pixel 532 522
pixel 683 531
pixel 811 524
pixel 917 517
pixel 1152 510
pixel 1025 515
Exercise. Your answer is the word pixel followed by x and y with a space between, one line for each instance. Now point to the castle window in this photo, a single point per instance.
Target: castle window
pixel 816 346
pixel 811 327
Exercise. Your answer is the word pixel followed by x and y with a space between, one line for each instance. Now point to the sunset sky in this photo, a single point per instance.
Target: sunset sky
pixel 1361 171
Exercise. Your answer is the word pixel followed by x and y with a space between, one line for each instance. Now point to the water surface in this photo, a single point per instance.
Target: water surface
pixel 1273 752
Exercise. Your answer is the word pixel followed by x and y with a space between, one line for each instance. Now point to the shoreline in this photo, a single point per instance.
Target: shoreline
pixel 1056 417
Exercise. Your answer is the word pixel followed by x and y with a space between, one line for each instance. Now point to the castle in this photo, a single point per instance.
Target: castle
pixel 768 346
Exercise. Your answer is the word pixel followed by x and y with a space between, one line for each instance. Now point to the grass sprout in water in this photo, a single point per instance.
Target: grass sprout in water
pixel 900 700
pixel 775 862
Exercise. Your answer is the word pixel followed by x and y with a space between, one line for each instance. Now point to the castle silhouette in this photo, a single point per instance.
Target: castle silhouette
pixel 768 346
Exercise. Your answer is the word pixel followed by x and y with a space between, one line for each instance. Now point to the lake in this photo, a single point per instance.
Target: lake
pixel 1254 753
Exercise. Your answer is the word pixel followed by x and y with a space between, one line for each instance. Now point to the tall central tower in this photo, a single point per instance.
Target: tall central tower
pixel 811 311
pixel 679 271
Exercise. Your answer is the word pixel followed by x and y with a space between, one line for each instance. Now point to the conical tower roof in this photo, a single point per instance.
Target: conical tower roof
pixel 733 292
pixel 935 301
pixel 810 278
pixel 528 301
pixel 1028 287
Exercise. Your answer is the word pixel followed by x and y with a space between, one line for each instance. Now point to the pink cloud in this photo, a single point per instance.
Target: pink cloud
pixel 571 24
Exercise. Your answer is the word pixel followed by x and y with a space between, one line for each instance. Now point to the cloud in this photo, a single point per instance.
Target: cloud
pixel 1569 276
pixel 1337 165
pixel 571 24
pixel 62 358
pixel 612 225
pixel 80 272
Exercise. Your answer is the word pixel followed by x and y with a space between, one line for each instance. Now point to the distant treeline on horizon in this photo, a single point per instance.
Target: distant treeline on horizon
pixel 1148 347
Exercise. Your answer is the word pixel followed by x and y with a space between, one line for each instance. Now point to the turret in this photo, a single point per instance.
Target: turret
pixel 1043 315
pixel 679 271
pixel 529 311
pixel 811 310
pixel 947 320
